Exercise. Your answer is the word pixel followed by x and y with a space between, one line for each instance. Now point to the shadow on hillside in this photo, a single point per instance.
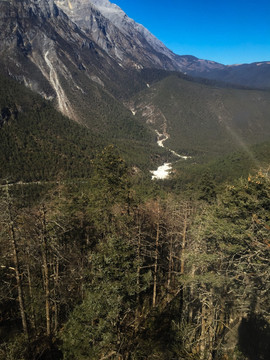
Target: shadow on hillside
pixel 254 338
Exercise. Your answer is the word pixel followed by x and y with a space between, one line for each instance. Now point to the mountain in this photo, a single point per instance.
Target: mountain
pixel 42 48
pixel 83 52
pixel 134 46
pixel 68 63
pixel 127 41
pixel 100 68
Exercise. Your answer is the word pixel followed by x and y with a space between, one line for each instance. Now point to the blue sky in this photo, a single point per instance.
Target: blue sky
pixel 229 32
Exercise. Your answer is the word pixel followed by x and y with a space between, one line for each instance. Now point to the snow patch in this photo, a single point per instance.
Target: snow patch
pixel 138 67
pixel 162 171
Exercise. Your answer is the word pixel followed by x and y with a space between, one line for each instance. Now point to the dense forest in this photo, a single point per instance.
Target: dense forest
pixel 117 267
pixel 38 143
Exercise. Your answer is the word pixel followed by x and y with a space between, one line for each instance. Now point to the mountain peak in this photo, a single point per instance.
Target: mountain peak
pixel 119 35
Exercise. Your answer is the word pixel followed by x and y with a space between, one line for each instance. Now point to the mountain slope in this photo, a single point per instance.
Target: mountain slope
pixel 76 56
pixel 39 143
pixel 88 57
pixel 204 120
pixel 230 167
pixel 42 48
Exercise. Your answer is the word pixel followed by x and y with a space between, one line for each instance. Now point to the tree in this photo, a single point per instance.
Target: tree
pixel 104 323
pixel 11 232
pixel 108 186
pixel 230 258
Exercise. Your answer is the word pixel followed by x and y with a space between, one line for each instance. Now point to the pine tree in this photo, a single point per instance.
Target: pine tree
pixel 104 323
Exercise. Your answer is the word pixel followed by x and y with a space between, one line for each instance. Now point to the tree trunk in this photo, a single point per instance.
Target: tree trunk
pixel 184 240
pixel 170 262
pixel 33 318
pixel 156 261
pixel 46 277
pixel 191 295
pixel 16 265
pixel 203 332
pixel 56 284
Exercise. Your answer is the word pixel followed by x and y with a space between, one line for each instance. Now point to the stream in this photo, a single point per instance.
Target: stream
pixel 163 171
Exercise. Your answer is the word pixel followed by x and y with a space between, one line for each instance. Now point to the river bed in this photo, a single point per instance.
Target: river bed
pixel 163 171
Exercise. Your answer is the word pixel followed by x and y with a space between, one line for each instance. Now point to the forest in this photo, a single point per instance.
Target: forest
pixel 116 266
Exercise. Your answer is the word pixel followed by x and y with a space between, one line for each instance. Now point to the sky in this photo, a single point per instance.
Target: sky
pixel 229 32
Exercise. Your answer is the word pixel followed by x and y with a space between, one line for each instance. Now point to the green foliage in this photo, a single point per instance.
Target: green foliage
pixel 189 175
pixel 37 142
pixel 231 251
pixel 206 189
pixel 15 348
pixel 103 322
pixel 110 171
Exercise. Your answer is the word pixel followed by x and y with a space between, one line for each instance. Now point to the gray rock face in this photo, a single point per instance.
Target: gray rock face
pixel 121 37
pixel 41 47
pixel 128 42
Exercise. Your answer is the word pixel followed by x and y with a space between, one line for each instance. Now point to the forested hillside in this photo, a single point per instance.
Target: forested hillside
pixel 38 143
pixel 115 268
pixel 204 119
pixel 98 261
pixel 191 175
